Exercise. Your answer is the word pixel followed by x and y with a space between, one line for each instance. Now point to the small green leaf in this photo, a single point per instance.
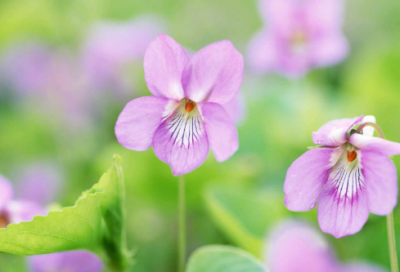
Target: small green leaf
pixel 245 216
pixel 95 223
pixel 223 259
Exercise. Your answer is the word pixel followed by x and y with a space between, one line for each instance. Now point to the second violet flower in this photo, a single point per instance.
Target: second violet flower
pixel 350 174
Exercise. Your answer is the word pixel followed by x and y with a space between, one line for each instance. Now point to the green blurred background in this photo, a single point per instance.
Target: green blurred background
pixel 280 117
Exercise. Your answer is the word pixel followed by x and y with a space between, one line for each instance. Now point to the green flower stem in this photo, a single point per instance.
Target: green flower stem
pixel 392 243
pixel 389 219
pixel 182 228
pixel 375 126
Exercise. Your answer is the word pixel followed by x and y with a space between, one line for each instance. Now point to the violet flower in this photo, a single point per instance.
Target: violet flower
pixel 185 116
pixel 15 211
pixel 299 36
pixel 350 173
pixel 71 261
pixel 297 246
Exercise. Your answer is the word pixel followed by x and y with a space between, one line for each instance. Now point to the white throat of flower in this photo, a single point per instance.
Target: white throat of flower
pixel 346 175
pixel 185 123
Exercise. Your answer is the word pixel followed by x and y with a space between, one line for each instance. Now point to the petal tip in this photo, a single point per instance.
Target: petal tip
pixel 228 155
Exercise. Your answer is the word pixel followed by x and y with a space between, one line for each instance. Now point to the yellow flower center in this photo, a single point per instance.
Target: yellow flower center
pixel 351 155
pixel 298 41
pixel 189 106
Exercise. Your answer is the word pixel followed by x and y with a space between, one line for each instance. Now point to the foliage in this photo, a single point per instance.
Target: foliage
pixel 223 259
pixel 95 223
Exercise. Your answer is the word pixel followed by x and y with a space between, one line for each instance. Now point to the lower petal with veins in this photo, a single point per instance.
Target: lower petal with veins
pixel 181 141
pixel 343 207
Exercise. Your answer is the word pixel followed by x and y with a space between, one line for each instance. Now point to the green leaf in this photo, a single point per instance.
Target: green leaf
pixel 245 217
pixel 223 259
pixel 95 223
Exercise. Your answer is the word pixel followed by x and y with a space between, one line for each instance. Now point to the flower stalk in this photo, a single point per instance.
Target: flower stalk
pixel 375 126
pixel 389 219
pixel 392 243
pixel 182 228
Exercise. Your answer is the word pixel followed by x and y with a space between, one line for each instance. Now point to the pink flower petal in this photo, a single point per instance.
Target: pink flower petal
pixel 40 182
pixel 71 261
pixel 214 74
pixel 23 211
pixel 139 120
pixel 26 67
pixel 164 62
pixel 343 203
pixel 329 49
pixel 181 142
pixel 306 177
pixel 361 267
pixel 296 246
pixel 292 64
pixel 6 192
pixel 110 45
pixel 221 131
pixel 319 14
pixel 381 182
pixel 236 108
pixel 375 144
pixel 262 54
pixel 334 133
pixel 278 13
pixel 326 14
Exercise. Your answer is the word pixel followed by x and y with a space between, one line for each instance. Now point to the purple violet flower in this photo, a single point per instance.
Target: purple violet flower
pixel 297 246
pixel 350 173
pixel 71 261
pixel 15 211
pixel 185 116
pixel 300 35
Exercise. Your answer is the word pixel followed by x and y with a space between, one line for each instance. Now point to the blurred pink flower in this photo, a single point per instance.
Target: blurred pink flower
pixel 24 67
pixel 67 92
pixel 185 116
pixel 297 246
pixel 299 35
pixel 53 79
pixel 111 46
pixel 71 261
pixel 351 177
pixel 15 211
pixel 39 182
